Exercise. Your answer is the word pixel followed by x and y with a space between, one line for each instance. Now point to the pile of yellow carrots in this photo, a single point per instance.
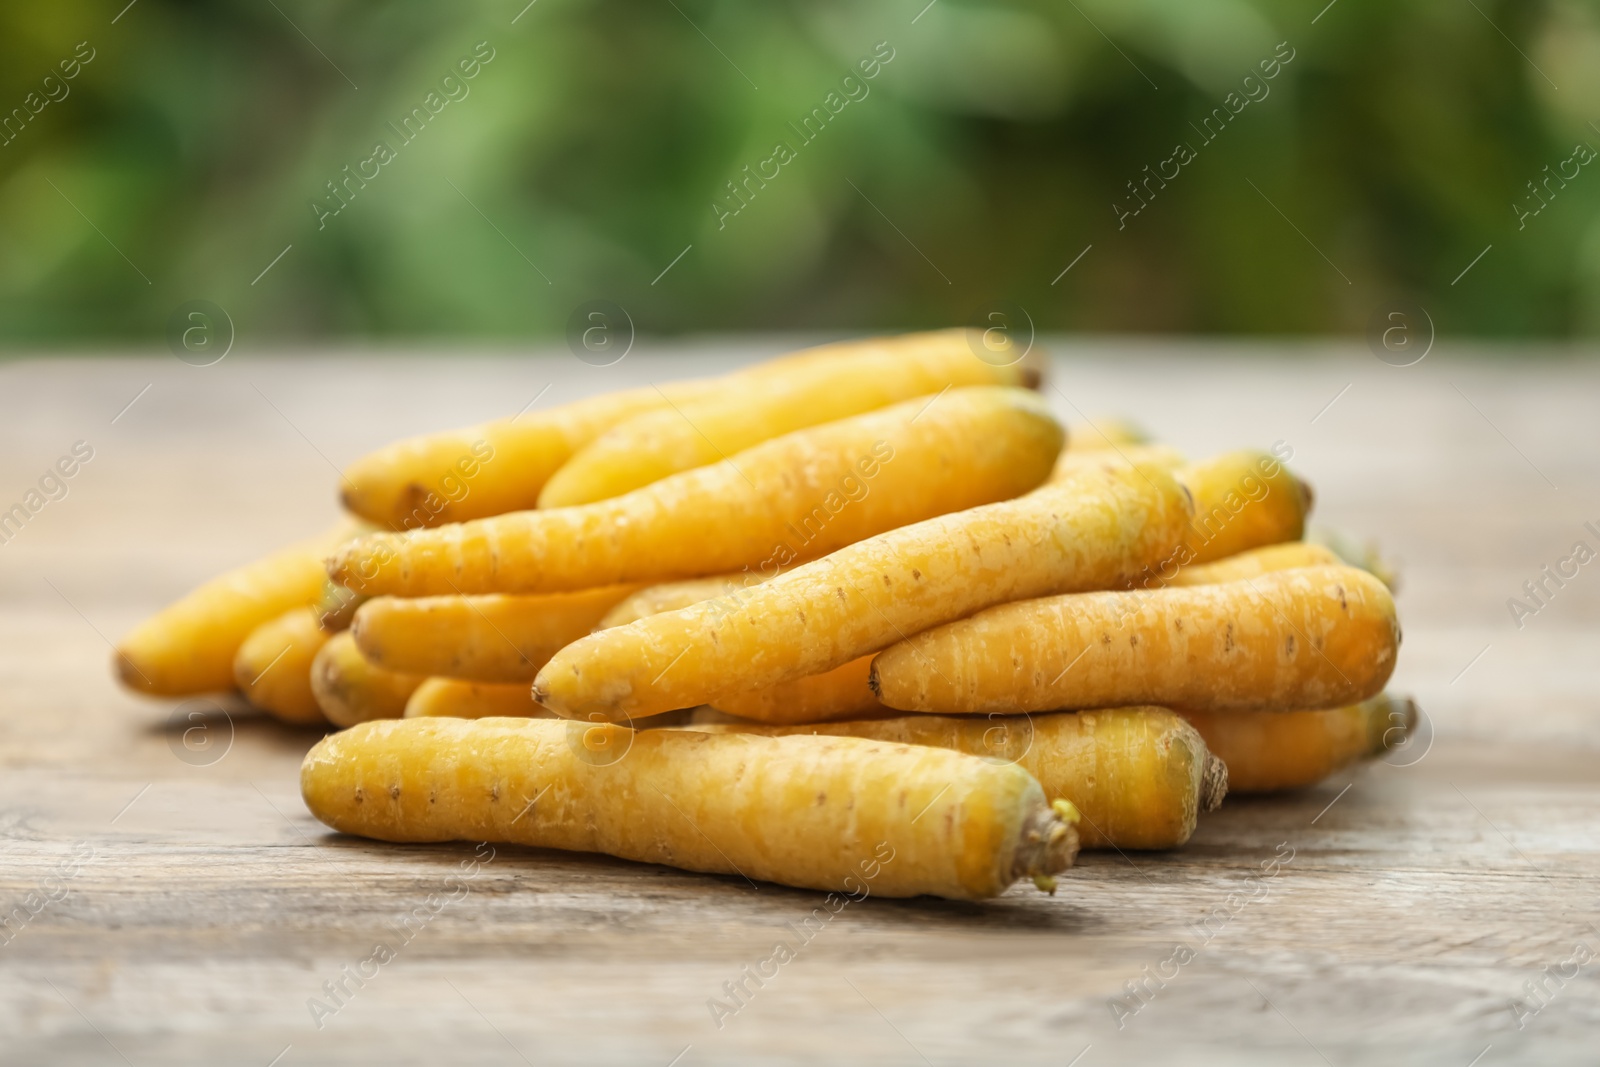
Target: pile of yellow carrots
pixel 862 614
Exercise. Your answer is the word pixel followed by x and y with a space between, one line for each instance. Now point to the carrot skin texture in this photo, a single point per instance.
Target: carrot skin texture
pixel 1257 561
pixel 842 693
pixel 189 646
pixel 1267 751
pixel 351 690
pixel 846 692
pixel 484 470
pixel 807 389
pixel 457 699
pixel 504 465
pixel 1094 529
pixel 273 666
pixel 670 596
pixel 492 638
pixel 821 813
pixel 1315 637
pixel 336 611
pixel 1139 776
pixel 1242 500
pixel 811 491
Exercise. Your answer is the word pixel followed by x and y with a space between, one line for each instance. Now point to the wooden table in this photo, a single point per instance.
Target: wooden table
pixel 199 908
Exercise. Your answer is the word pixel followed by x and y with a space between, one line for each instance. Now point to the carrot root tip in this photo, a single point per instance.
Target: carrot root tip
pixel 1048 844
pixel 129 674
pixel 1213 783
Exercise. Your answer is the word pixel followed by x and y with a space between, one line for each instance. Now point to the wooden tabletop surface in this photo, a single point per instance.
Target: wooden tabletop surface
pixel 1439 908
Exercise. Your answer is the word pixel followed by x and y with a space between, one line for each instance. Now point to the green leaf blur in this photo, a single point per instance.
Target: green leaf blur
pixel 595 151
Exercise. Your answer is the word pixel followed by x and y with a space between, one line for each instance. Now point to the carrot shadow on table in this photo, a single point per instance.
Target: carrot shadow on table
pixel 201 730
pixel 540 869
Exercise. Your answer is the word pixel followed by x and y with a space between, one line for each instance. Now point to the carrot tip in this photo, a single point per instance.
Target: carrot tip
pixel 1412 712
pixel 1213 783
pixel 1394 719
pixel 1048 845
pixel 1032 368
pixel 129 674
pixel 1308 496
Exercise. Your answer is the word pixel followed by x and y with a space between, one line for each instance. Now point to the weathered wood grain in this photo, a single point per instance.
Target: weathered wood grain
pixel 205 908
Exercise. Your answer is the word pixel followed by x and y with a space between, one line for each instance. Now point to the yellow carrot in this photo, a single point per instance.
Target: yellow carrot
pixel 1315 637
pixel 1139 776
pixel 338 606
pixel 670 596
pixel 453 698
pixel 829 383
pixel 1242 500
pixel 457 699
pixel 478 638
pixel 492 468
pixel 273 666
pixel 1256 561
pixel 842 693
pixel 189 646
pixel 500 466
pixel 806 493
pixel 830 813
pixel 1095 528
pixel 1270 750
pixel 845 692
pixel 351 690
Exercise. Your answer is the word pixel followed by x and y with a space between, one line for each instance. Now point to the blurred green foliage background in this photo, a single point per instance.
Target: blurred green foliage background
pixel 987 154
